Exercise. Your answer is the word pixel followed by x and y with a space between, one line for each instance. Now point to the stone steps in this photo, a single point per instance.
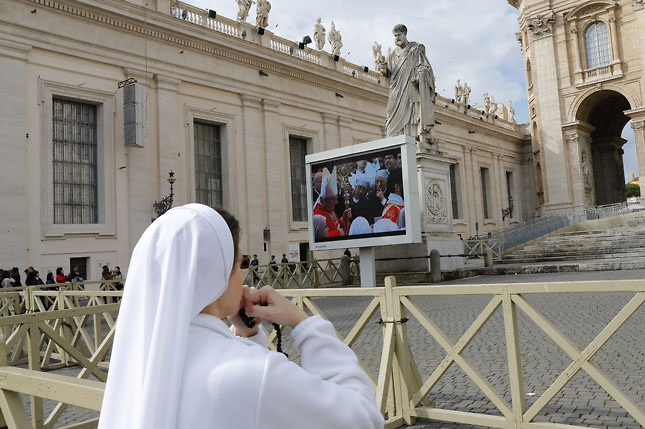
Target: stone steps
pixel 581 249
pixel 618 248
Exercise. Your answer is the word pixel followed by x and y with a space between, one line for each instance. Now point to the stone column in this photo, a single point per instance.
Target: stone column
pixel 330 130
pixel 345 131
pixel 467 198
pixel 548 103
pixel 575 39
pixel 578 141
pixel 613 32
pixel 275 189
pixel 169 129
pixel 255 173
pixel 475 197
pixel 21 145
pixel 639 138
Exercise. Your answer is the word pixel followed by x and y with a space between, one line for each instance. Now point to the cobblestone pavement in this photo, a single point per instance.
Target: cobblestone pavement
pixel 579 316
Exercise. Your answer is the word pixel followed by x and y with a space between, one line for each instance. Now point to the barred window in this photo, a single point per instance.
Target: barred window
pixel 454 195
pixel 297 152
pixel 208 164
pixel 509 191
pixel 485 178
pixel 74 162
pixel 597 45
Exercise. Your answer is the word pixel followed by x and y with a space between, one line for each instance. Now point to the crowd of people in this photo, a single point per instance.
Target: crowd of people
pixel 12 278
pixel 376 198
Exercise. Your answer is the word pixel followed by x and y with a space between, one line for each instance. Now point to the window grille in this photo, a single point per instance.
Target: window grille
pixel 297 152
pixel 597 45
pixel 75 159
pixel 485 192
pixel 509 192
pixel 453 191
pixel 208 164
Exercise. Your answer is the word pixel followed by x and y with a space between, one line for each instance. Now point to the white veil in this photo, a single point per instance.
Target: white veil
pixel 181 264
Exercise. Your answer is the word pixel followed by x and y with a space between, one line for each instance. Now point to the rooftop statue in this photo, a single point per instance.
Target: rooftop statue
pixel 410 108
pixel 243 9
pixel 335 40
pixel 380 63
pixel 467 92
pixel 459 91
pixel 319 35
pixel 262 9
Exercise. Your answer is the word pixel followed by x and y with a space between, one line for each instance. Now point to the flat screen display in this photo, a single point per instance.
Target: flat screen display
pixel 363 195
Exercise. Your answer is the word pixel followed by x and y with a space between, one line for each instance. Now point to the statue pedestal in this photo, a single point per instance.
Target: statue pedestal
pixel 435 205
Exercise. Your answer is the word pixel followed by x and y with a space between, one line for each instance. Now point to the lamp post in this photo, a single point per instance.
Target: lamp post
pixel 165 204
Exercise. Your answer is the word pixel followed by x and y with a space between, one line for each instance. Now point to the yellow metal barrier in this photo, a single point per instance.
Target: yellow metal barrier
pixel 299 275
pixel 401 393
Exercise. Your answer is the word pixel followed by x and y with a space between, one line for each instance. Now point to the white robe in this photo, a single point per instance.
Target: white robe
pixel 233 382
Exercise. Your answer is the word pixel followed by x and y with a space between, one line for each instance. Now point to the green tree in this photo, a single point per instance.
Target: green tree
pixel 632 190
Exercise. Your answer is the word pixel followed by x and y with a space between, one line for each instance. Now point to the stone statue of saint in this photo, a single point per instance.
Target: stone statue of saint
pixel 379 59
pixel 467 92
pixel 243 9
pixel 319 35
pixel 493 105
pixel 335 40
pixel 262 9
pixel 486 103
pixel 410 107
pixel 459 92
pixel 511 111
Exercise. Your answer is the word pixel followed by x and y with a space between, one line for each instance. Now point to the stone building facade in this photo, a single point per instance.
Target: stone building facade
pixel 585 64
pixel 230 111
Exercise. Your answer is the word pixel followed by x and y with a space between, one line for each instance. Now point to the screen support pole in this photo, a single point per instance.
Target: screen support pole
pixel 368 267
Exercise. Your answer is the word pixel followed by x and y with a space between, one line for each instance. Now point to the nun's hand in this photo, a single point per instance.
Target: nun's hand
pixel 239 327
pixel 270 305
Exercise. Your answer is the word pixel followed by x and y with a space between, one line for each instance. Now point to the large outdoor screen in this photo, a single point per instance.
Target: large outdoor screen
pixel 364 195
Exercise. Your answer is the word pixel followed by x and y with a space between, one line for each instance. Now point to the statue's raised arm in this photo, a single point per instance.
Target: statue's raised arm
pixel 410 108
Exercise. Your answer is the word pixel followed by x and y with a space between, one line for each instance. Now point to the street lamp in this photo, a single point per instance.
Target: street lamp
pixel 165 204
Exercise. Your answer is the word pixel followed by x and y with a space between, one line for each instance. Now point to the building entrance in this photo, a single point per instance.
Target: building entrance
pixel 602 166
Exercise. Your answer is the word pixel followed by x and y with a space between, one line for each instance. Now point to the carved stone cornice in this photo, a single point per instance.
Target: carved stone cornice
pixel 161 28
pixel 572 137
pixel 249 101
pixel 14 50
pixel 638 4
pixel 167 83
pixel 329 118
pixel 541 25
pixel 270 106
pixel 344 122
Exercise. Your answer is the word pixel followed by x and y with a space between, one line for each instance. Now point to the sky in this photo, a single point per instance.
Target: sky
pixel 471 40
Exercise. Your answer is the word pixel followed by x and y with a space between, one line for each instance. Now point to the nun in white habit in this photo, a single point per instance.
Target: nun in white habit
pixel 176 364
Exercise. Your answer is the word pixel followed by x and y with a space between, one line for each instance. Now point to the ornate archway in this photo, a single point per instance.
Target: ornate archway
pixel 602 118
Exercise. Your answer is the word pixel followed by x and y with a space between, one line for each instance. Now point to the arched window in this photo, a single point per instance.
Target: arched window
pixel 597 45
